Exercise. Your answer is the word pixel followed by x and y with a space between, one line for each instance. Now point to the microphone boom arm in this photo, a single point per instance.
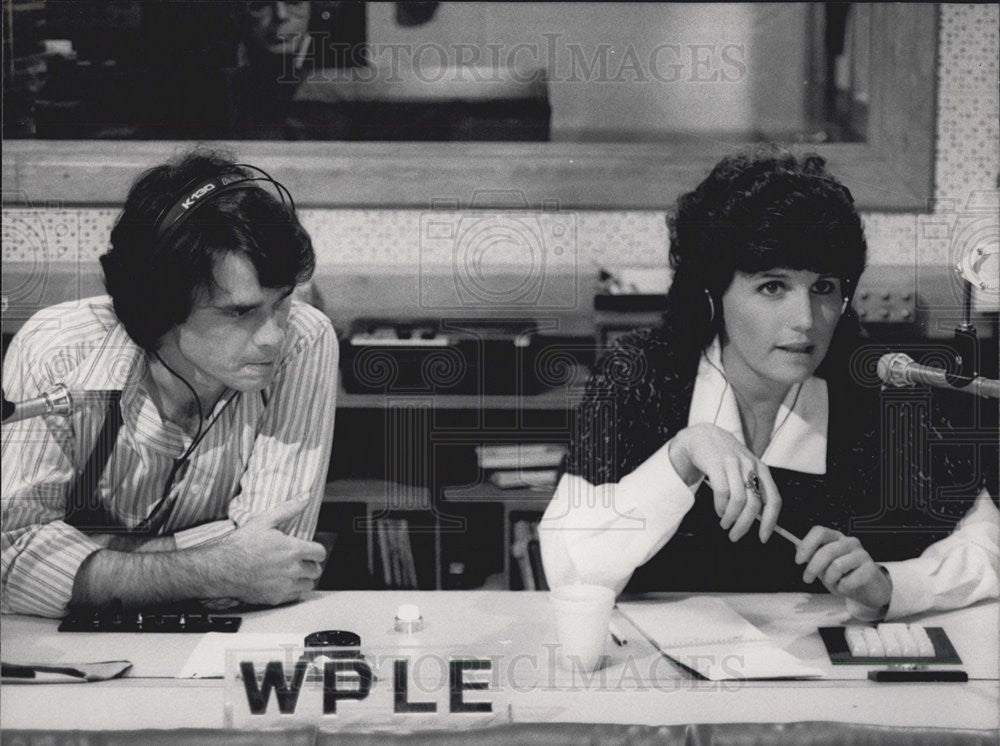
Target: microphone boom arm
pixel 55 401
pixel 899 369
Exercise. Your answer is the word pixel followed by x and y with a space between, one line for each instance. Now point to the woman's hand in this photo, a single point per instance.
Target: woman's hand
pixel 844 567
pixel 709 451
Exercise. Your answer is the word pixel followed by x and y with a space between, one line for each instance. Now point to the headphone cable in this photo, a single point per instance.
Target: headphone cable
pixel 198 437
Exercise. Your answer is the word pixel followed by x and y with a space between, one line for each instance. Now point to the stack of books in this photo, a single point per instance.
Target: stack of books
pixel 395 553
pixel 522 465
pixel 526 552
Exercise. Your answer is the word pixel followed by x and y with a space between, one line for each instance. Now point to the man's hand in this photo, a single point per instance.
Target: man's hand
pixel 261 565
pixel 844 567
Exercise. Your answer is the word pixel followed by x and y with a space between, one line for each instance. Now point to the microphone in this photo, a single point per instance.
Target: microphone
pixel 56 400
pixel 899 369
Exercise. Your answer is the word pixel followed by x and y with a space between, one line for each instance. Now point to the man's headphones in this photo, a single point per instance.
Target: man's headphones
pixel 172 217
pixel 132 277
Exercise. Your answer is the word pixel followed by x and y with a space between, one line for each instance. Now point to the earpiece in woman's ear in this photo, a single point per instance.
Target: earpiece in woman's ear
pixel 711 306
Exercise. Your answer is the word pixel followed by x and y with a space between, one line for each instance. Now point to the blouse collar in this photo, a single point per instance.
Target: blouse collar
pixel 798 438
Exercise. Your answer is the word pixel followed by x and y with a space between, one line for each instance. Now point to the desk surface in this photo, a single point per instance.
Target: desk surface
pixel 636 686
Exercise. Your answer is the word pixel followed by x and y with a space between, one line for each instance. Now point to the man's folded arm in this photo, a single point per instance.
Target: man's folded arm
pixel 258 563
pixel 48 564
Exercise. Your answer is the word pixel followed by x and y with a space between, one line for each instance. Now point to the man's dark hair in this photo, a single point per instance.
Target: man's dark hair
pixel 154 280
pixel 758 210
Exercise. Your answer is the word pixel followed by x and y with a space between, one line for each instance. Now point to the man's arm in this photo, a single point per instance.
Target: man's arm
pixel 256 563
pixel 134 542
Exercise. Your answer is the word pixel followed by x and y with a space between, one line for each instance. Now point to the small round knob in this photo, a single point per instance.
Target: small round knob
pixel 408 618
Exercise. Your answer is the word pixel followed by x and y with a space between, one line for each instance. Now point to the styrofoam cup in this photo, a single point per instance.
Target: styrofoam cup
pixel 582 614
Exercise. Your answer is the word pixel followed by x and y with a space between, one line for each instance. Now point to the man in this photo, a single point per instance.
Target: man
pixel 194 462
pixel 283 45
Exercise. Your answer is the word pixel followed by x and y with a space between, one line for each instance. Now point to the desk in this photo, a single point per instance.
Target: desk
pixel 519 623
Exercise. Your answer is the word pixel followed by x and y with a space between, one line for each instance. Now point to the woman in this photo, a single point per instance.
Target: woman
pixel 748 402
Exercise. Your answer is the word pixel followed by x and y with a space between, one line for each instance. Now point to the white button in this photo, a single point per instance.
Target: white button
pixel 890 641
pixel 875 647
pixel 408 618
pixel 907 642
pixel 408 613
pixel 855 638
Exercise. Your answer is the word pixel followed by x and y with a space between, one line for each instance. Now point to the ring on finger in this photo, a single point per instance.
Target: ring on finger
pixel 753 484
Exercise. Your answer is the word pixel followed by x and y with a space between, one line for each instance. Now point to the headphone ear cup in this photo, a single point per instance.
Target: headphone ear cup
pixel 139 295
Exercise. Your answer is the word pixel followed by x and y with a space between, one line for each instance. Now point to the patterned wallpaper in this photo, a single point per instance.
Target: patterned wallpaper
pixel 968 162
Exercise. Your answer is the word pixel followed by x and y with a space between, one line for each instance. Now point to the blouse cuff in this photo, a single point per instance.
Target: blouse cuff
pixel 203 534
pixel 909 589
pixel 658 491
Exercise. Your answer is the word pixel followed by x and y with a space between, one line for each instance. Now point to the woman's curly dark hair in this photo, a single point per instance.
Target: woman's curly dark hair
pixel 759 210
pixel 153 278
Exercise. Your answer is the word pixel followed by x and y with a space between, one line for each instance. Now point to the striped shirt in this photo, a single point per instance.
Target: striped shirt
pixel 263 448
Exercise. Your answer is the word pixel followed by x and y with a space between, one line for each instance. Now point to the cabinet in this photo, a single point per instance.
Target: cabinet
pixel 412 458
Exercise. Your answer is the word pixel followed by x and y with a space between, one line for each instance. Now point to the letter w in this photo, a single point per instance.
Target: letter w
pixel 274 678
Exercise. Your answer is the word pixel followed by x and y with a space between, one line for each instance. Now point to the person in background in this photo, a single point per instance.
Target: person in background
pixel 283 44
pixel 748 404
pixel 193 464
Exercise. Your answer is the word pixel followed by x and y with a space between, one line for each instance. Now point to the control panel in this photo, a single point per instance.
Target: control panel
pixel 118 621
pixel 886 299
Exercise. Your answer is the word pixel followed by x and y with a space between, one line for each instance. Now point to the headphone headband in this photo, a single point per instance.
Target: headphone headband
pixel 205 191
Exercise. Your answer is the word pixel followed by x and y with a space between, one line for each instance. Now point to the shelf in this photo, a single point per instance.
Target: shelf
pixel 377 493
pixel 514 499
pixel 551 399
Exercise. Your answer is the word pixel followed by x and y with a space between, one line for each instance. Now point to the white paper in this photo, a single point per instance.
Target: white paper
pixel 706 635
pixel 208 659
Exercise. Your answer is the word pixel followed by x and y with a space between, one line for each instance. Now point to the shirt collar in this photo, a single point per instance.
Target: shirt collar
pixel 119 365
pixel 116 363
pixel 798 440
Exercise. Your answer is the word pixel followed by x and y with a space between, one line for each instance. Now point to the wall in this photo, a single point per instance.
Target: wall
pixel 358 249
